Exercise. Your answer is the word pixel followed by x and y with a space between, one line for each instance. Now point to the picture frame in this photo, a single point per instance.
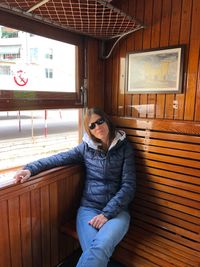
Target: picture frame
pixel 155 71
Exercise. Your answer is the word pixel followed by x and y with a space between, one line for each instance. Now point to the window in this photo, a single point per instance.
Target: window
pixel 46 70
pixel 10 56
pixel 49 54
pixel 40 94
pixel 34 54
pixel 49 73
pixel 8 32
pixel 27 73
pixel 4 70
pixel 9 53
pixel 30 135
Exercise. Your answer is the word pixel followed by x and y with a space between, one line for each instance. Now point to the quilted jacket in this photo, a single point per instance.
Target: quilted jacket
pixel 110 179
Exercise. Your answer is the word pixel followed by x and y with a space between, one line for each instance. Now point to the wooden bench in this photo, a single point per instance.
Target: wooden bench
pixel 165 229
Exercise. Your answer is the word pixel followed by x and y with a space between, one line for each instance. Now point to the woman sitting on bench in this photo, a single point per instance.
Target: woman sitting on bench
pixel 103 218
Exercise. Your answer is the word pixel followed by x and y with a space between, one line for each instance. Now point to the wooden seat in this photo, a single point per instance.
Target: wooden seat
pixel 165 228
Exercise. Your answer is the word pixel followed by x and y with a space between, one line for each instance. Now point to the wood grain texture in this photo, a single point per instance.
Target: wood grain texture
pixel 5 249
pixel 168 23
pixel 32 214
pixel 165 229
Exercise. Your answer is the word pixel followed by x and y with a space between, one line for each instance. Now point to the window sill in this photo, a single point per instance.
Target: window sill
pixel 9 182
pixel 7 178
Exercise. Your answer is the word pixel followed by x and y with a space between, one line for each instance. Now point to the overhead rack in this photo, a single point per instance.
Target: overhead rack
pixel 95 18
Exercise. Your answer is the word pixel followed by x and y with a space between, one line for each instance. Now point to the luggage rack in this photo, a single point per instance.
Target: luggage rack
pixel 95 18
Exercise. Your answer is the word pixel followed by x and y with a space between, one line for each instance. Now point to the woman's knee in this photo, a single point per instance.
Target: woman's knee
pixel 105 247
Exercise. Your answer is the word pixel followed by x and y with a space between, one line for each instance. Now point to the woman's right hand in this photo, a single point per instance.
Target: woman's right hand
pixel 22 176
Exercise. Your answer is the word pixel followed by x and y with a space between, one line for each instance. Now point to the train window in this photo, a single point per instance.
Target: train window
pixel 41 73
pixel 28 56
pixel 37 72
pixel 29 135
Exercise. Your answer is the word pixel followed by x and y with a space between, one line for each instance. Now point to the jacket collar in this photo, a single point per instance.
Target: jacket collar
pixel 119 136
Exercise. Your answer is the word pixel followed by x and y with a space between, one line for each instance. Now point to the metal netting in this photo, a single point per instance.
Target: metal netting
pixel 97 18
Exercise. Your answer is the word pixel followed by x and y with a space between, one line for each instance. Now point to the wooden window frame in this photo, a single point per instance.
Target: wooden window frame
pixel 28 100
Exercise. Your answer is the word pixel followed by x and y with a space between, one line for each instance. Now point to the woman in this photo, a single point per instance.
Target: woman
pixel 103 218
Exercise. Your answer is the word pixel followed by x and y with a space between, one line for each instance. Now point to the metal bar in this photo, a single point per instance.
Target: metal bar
pixel 41 3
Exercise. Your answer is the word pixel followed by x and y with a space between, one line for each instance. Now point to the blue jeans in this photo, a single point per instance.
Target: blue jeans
pixel 98 245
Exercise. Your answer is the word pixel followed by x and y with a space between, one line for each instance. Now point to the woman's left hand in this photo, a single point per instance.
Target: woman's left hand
pixel 98 221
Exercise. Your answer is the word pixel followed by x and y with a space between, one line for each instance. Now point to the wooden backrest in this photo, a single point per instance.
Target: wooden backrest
pixel 165 229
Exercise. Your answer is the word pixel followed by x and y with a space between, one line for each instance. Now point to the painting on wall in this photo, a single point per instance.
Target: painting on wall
pixel 155 71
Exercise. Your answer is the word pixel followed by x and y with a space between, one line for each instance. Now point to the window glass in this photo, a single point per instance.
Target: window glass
pixel 29 135
pixel 28 62
pixel 6 32
pixel 49 73
pixel 49 53
pixel 4 70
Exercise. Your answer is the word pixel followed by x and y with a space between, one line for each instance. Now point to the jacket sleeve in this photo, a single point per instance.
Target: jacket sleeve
pixel 128 186
pixel 72 156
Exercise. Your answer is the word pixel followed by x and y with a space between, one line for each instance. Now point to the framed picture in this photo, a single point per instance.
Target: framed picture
pixel 155 71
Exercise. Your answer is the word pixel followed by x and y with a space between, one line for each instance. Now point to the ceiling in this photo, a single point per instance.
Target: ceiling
pixel 96 18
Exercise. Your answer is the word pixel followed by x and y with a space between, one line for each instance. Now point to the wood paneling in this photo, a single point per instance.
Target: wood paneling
pixel 95 74
pixel 32 215
pixel 167 23
pixel 25 219
pixel 5 250
pixel 165 228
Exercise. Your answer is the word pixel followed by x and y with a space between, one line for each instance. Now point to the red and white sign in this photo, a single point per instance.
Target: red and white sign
pixel 20 78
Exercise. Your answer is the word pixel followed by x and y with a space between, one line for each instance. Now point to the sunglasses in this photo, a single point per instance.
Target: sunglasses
pixel 100 121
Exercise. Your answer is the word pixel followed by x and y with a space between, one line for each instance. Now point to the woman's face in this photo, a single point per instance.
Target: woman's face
pixel 100 128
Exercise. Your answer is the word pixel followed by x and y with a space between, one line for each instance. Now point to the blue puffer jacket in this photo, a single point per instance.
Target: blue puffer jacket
pixel 110 177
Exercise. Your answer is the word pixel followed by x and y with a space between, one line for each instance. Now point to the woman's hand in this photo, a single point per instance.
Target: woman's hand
pixel 98 221
pixel 22 176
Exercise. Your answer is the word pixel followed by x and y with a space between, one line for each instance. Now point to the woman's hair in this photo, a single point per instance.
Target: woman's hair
pixel 103 115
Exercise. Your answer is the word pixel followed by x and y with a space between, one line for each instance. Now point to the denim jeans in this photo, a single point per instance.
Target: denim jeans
pixel 98 245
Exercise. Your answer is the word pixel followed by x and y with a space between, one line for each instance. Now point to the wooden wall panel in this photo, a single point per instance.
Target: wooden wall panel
pixel 146 44
pixel 25 219
pixel 138 110
pixel 32 215
pixel 193 62
pixel 36 227
pixel 108 87
pixel 122 69
pixel 95 74
pixel 5 250
pixel 91 48
pixel 184 39
pixel 121 99
pixel 197 108
pixel 167 23
pixel 130 47
pixel 45 226
pixel 173 40
pixel 54 225
pixel 164 41
pixel 14 231
pixel 115 81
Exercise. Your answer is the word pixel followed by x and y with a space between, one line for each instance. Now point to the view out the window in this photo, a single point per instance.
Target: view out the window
pixel 29 135
pixel 33 63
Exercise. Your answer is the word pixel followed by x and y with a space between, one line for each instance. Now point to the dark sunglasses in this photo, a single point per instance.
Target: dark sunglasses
pixel 100 121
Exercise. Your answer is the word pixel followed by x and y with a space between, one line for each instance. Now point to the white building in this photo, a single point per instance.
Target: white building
pixel 34 63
